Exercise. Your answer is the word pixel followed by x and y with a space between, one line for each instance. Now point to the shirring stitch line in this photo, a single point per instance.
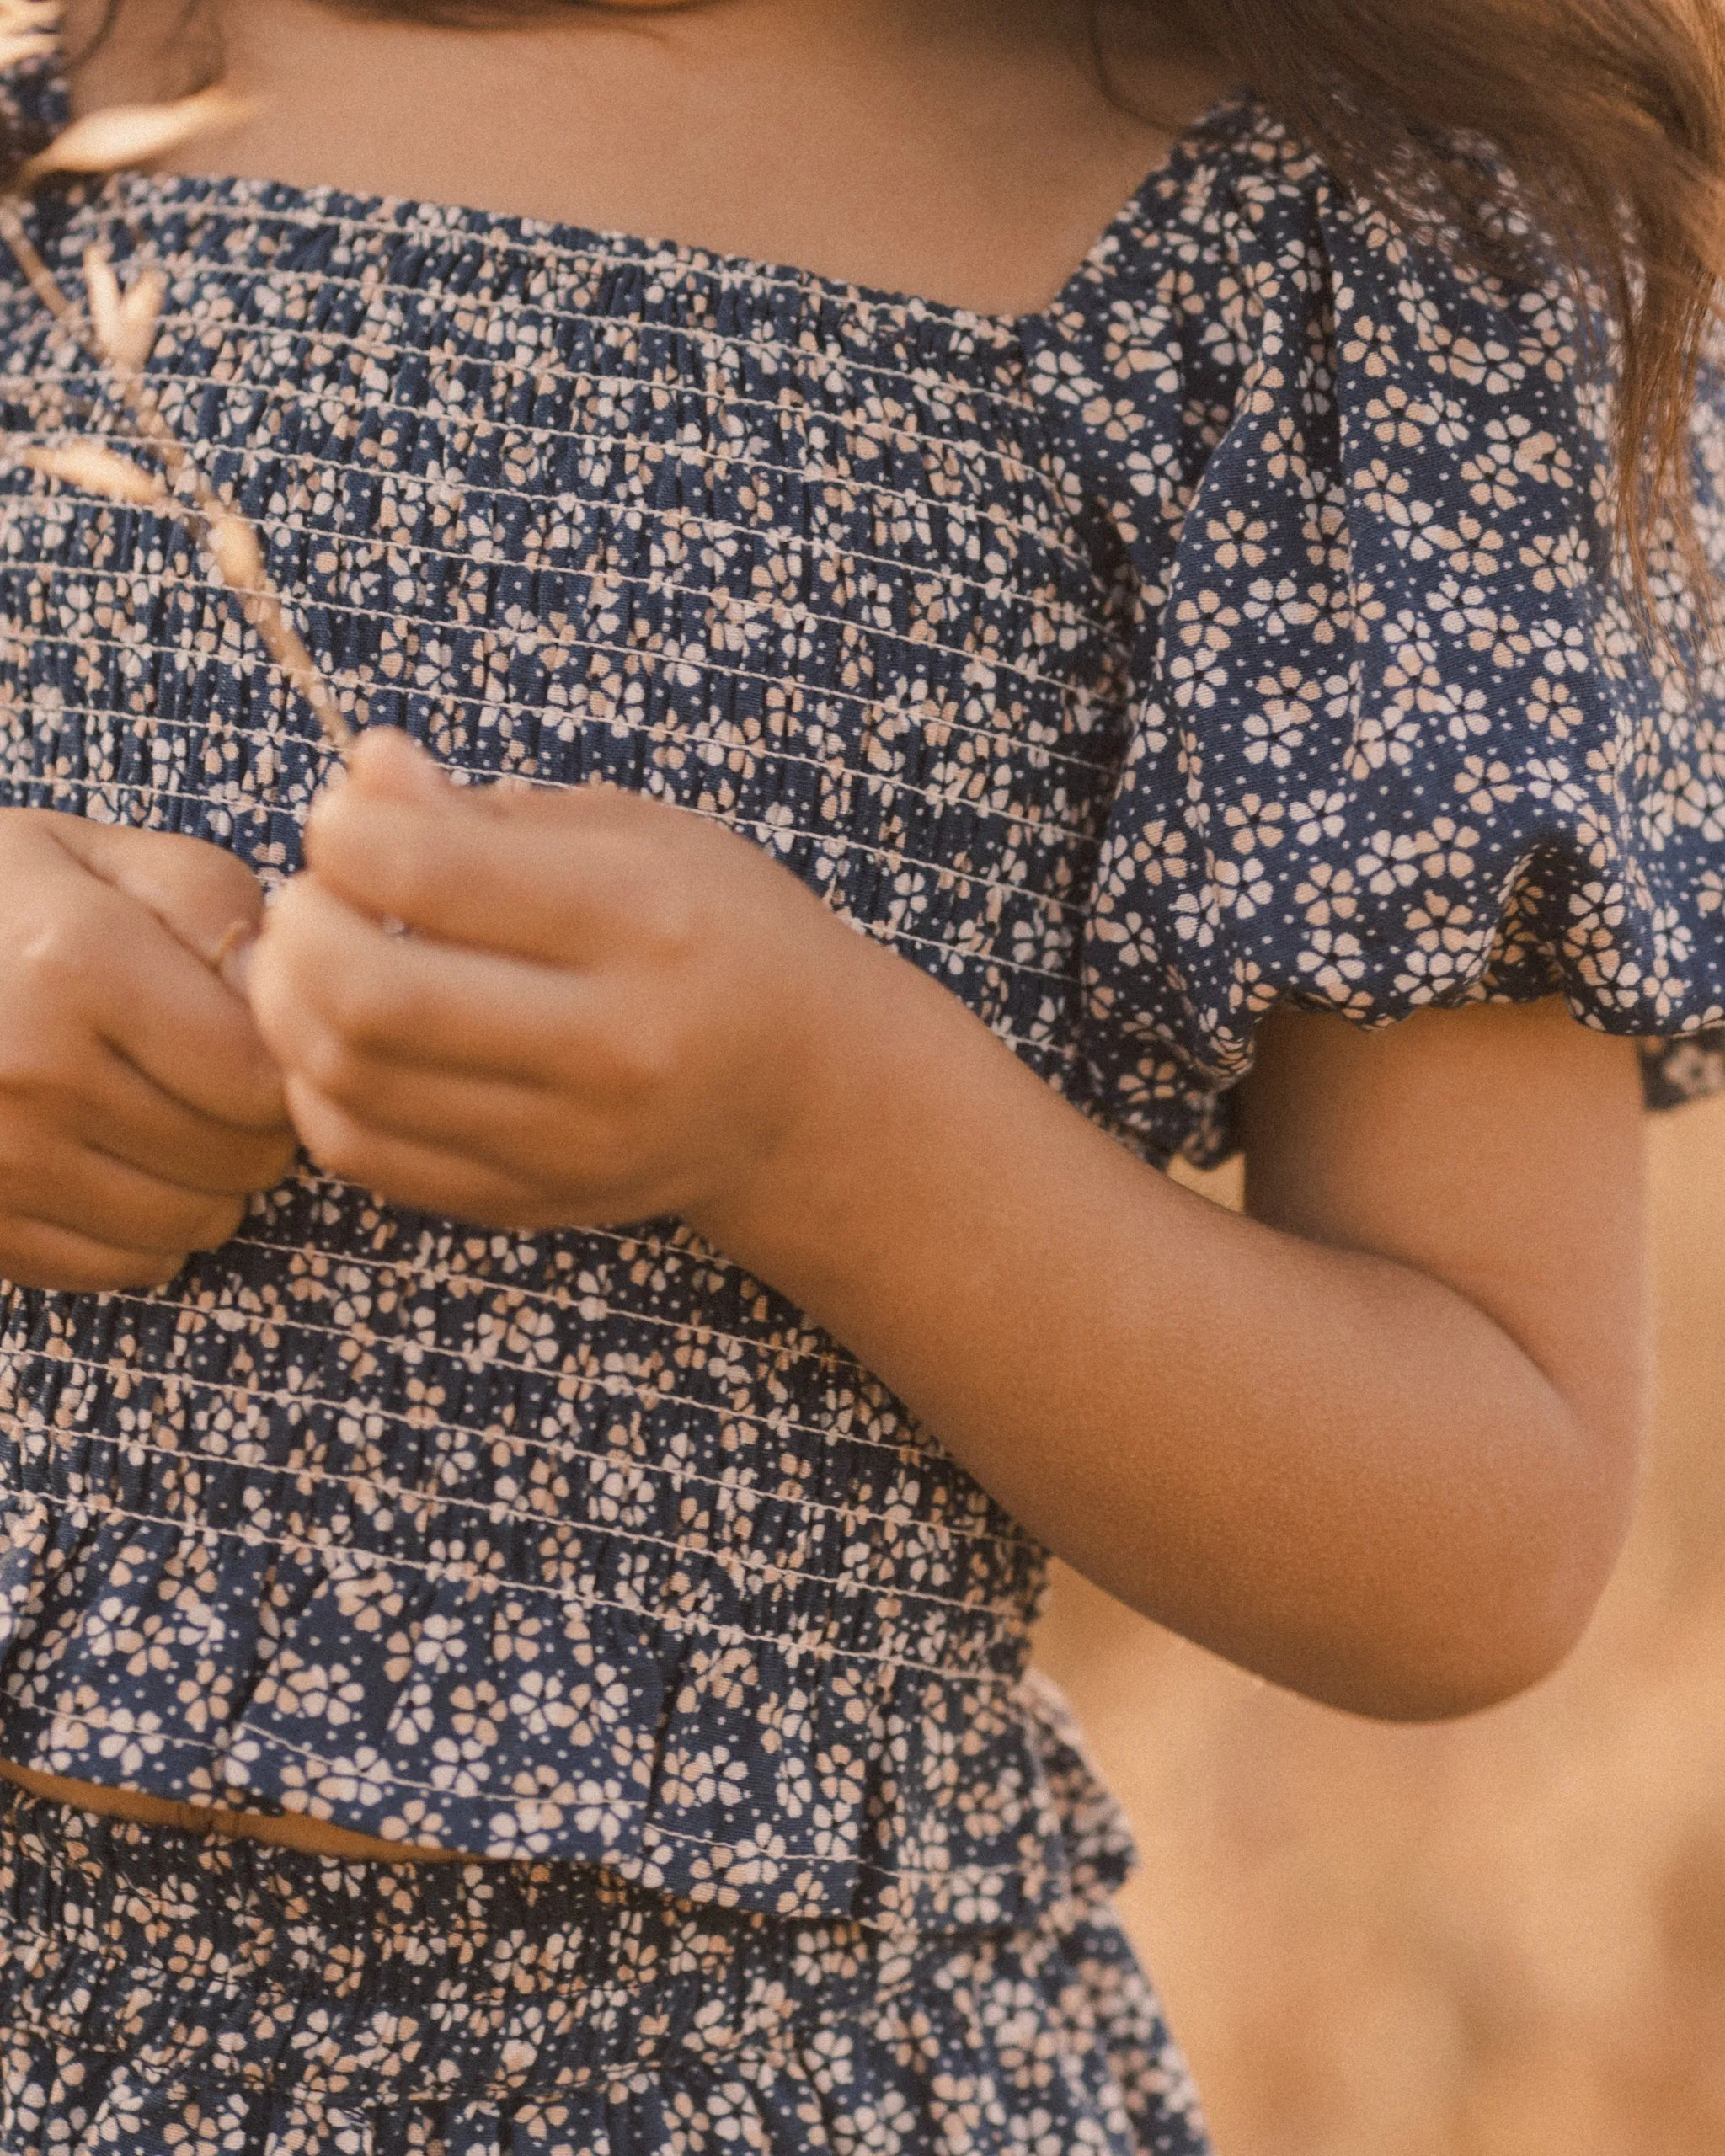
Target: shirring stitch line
pixel 1070 694
pixel 941 1530
pixel 758 1579
pixel 703 456
pixel 221 339
pixel 1043 1049
pixel 811 477
pixel 828 1354
pixel 813 543
pixel 222 729
pixel 549 716
pixel 1002 334
pixel 831 846
pixel 989 960
pixel 442 1275
pixel 612 1384
pixel 649 661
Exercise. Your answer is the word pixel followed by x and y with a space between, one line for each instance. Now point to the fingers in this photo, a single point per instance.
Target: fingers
pixel 205 897
pixel 138 1107
pixel 502 1128
pixel 459 1081
pixel 183 1027
pixel 36 1256
pixel 420 1175
pixel 206 1056
pixel 391 766
pixel 553 877
pixel 84 953
pixel 335 995
pixel 122 1114
pixel 66 1187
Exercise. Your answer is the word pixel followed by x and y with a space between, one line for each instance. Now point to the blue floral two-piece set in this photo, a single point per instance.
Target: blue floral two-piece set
pixel 1233 632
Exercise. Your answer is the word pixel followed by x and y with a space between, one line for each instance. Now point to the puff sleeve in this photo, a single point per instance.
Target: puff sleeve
pixel 1398 739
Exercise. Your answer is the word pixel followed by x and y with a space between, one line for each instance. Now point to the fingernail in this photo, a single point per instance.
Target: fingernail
pixel 388 761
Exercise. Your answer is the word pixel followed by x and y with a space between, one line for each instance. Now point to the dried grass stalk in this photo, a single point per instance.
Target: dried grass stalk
pixel 123 135
pixel 125 322
pixel 27 30
pixel 98 470
pixel 119 333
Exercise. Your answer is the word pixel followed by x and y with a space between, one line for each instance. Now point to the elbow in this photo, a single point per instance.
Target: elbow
pixel 1476 1666
pixel 1511 1611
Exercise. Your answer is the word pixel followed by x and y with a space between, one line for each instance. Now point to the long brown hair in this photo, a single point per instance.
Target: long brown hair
pixel 1607 121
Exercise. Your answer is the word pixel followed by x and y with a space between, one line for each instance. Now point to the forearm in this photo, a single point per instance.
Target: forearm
pixel 1322 1463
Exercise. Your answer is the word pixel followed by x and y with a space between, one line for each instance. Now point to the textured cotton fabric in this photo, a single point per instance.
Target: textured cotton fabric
pixel 160 1993
pixel 1235 632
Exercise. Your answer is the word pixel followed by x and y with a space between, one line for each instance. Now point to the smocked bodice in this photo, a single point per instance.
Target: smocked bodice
pixel 579 1543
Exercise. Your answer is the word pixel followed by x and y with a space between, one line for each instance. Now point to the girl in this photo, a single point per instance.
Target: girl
pixel 1245 676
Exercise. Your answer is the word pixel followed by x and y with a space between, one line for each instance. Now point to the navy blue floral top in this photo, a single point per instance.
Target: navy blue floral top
pixel 1233 633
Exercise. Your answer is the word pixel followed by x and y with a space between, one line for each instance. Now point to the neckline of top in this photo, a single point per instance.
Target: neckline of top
pixel 1236 114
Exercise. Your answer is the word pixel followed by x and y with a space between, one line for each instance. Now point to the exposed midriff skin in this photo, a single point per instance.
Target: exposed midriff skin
pixel 912 119
pixel 317 1835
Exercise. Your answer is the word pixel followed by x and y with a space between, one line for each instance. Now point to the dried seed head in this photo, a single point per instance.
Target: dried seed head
pixel 122 134
pixel 98 470
pixel 125 322
pixel 27 30
pixel 16 46
pixel 105 294
pixel 234 549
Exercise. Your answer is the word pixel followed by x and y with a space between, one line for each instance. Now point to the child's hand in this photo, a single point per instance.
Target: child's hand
pixel 605 1010
pixel 138 1107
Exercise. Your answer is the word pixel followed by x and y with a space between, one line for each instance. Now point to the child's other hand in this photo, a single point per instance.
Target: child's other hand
pixel 138 1107
pixel 606 1009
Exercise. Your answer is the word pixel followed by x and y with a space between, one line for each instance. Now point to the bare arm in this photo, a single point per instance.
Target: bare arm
pixel 1378 1442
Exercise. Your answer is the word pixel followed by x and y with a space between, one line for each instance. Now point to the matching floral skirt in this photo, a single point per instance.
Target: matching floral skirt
pixel 161 1992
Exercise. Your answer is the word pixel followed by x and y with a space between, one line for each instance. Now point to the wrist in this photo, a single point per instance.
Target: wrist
pixel 845 1064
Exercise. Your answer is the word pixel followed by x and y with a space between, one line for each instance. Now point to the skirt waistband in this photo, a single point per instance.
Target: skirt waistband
pixel 382 1983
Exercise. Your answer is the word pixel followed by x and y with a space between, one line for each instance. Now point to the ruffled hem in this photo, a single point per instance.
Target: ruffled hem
pixel 906 2081
pixel 895 1797
pixel 157 1990
pixel 935 2071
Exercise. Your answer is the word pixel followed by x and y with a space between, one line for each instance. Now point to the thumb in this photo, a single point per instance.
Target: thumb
pixel 387 766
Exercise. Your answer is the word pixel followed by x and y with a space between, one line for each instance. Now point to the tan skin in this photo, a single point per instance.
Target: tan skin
pixel 1377 1440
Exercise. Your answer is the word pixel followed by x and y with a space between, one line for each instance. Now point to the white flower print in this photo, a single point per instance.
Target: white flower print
pixel 1485 786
